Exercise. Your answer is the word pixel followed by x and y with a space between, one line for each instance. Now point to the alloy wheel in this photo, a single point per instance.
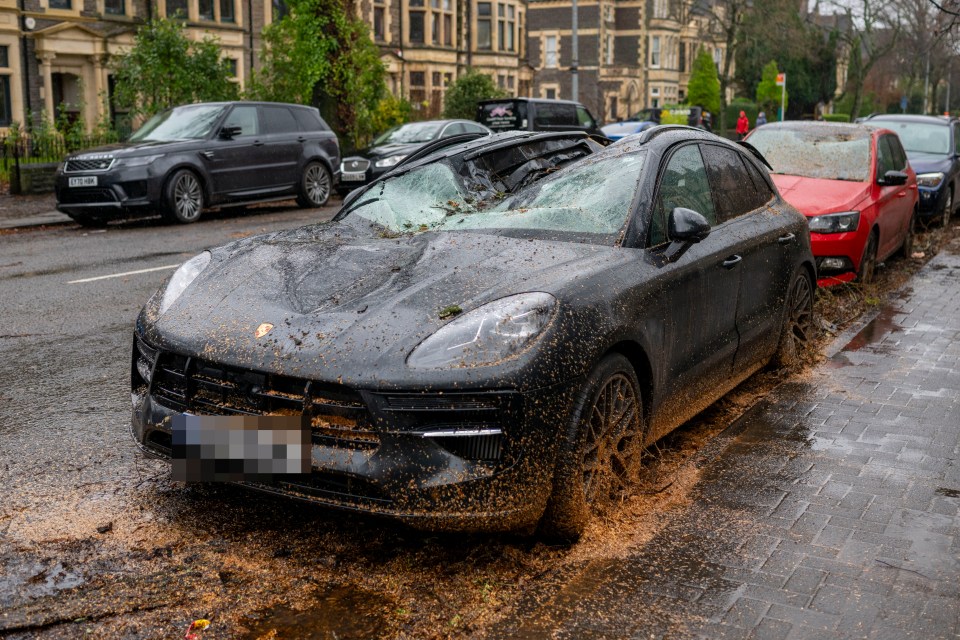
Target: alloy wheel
pixel 947 209
pixel 611 451
pixel 317 184
pixel 188 198
pixel 799 329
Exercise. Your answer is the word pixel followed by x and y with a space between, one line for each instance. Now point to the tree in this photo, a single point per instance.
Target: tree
pixel 726 18
pixel 704 87
pixel 318 55
pixel 464 93
pixel 165 68
pixel 769 94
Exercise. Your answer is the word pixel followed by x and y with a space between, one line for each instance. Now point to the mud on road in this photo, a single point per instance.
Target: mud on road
pixel 97 542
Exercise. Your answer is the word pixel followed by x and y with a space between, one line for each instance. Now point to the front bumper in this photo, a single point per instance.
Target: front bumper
pixel 119 191
pixel 440 459
pixel 350 177
pixel 932 200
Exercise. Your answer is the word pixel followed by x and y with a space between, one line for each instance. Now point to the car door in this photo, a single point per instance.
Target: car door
pixel 697 295
pixel 282 147
pixel 764 243
pixel 894 204
pixel 234 164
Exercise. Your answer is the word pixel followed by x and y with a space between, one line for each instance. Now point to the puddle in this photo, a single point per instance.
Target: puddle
pixel 875 331
pixel 339 612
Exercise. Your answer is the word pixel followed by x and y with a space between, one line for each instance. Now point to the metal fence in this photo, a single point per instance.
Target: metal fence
pixel 25 149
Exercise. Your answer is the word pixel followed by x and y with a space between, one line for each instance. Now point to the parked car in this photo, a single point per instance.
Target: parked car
pixel 391 147
pixel 535 114
pixel 932 144
pixel 854 184
pixel 487 338
pixel 618 130
pixel 188 158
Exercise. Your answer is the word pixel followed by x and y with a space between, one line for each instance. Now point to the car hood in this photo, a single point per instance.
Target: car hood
pixel 815 196
pixel 129 149
pixel 345 304
pixel 929 162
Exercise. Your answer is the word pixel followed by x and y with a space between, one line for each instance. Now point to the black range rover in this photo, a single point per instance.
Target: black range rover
pixel 194 156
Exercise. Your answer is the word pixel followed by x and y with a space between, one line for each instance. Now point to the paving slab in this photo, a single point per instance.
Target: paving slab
pixel 832 511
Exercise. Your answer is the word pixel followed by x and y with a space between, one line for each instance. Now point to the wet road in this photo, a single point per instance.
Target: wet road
pixel 807 520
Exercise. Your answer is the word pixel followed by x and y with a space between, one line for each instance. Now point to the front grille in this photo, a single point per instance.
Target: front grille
pixel 95 164
pixel 87 196
pixel 336 414
pixel 355 164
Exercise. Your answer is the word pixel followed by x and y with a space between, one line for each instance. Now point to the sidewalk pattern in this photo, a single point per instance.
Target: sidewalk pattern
pixel 834 513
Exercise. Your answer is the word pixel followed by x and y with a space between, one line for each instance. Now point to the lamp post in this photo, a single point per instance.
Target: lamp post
pixel 574 62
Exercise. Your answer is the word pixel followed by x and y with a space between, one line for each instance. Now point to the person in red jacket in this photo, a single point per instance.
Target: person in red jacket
pixel 743 125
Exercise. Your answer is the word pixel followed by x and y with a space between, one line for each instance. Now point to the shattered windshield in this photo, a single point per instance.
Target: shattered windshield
pixel 405 134
pixel 589 197
pixel 816 153
pixel 919 137
pixel 182 123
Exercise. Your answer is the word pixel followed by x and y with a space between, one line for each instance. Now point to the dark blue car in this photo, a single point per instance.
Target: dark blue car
pixel 932 144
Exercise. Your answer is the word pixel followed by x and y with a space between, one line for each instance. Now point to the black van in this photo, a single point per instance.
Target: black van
pixel 534 114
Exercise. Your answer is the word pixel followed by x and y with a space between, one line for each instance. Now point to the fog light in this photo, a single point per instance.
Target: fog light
pixel 833 264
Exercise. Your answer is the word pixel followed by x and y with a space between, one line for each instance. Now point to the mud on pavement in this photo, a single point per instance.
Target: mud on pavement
pixel 98 542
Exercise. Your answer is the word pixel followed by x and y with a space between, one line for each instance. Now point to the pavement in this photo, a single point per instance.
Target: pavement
pixel 830 510
pixel 30 211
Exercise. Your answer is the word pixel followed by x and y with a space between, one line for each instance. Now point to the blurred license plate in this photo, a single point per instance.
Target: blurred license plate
pixel 83 181
pixel 353 176
pixel 238 448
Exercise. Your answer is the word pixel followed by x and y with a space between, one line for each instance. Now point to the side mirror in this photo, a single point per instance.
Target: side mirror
pixel 893 179
pixel 688 226
pixel 229 133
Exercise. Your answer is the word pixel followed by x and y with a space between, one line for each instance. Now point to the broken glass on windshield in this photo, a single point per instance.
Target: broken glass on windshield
pixel 816 153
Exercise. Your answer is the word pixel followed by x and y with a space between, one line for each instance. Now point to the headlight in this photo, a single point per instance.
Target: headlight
pixel 487 335
pixel 931 180
pixel 182 278
pixel 137 161
pixel 388 162
pixel 835 222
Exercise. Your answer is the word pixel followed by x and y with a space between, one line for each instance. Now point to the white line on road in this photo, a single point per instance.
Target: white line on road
pixel 126 273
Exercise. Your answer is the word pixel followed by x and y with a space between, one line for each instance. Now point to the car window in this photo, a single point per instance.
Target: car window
pixel 280 120
pixel 885 159
pixel 733 190
pixel 474 128
pixel 553 115
pixel 453 129
pixel 182 123
pixel 245 117
pixel 684 183
pixel 956 138
pixel 762 187
pixel 919 137
pixel 309 120
pixel 583 117
pixel 815 151
pixel 899 155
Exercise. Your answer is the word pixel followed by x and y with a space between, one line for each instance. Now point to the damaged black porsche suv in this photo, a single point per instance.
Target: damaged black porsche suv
pixel 487 337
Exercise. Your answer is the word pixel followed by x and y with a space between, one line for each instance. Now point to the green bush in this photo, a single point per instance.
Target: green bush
pixel 836 117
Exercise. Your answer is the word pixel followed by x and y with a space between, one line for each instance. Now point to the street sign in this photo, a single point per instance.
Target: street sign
pixel 781 79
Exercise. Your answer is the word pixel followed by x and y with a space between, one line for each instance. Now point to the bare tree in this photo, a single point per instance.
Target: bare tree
pixel 726 20
pixel 869 30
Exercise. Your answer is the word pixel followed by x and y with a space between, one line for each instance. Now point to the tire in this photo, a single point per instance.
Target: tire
pixel 600 455
pixel 868 263
pixel 183 197
pixel 86 220
pixel 798 327
pixel 906 249
pixel 315 186
pixel 947 209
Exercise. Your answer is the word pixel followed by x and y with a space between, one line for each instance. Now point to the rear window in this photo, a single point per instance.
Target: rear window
pixel 504 116
pixel 553 115
pixel 309 120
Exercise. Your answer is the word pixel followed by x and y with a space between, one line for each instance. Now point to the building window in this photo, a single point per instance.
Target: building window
pixel 550 52
pixel 484 26
pixel 60 4
pixel 661 9
pixel 205 10
pixel 655 52
pixel 227 11
pixel 5 112
pixel 510 82
pixel 506 23
pixel 177 9
pixel 550 93
pixel 418 89
pixel 416 27
pixel 613 116
pixel 683 58
pixel 114 7
pixel 655 97
pixel 379 24
pixel 232 66
pixel 4 56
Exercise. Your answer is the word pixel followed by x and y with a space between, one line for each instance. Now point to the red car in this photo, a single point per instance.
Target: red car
pixel 854 184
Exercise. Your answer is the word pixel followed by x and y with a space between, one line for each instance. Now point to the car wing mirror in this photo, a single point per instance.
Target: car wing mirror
pixel 685 227
pixel 229 133
pixel 893 179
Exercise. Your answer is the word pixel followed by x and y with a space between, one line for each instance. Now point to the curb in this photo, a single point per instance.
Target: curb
pixel 43 219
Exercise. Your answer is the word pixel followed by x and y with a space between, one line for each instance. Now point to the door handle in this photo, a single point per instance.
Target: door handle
pixel 787 239
pixel 258 143
pixel 301 139
pixel 731 262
